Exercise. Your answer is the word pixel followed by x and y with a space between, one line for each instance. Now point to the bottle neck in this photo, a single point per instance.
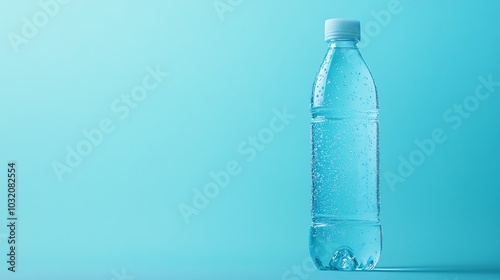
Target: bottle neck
pixel 343 43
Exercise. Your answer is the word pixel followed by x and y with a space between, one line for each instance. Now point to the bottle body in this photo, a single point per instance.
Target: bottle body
pixel 345 232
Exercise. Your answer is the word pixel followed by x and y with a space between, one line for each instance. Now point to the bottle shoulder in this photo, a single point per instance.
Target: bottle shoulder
pixel 344 82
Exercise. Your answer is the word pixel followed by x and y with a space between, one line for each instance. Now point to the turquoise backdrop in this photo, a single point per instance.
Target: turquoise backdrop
pixel 170 139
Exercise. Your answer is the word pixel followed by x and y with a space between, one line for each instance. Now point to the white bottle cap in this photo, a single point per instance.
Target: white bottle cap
pixel 342 28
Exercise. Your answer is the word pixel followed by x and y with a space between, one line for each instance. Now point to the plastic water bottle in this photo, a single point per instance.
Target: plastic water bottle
pixel 345 232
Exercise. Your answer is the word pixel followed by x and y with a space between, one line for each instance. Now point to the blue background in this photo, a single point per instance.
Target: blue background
pixel 117 211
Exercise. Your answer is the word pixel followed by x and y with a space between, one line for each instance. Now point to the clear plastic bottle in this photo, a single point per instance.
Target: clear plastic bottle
pixel 345 232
